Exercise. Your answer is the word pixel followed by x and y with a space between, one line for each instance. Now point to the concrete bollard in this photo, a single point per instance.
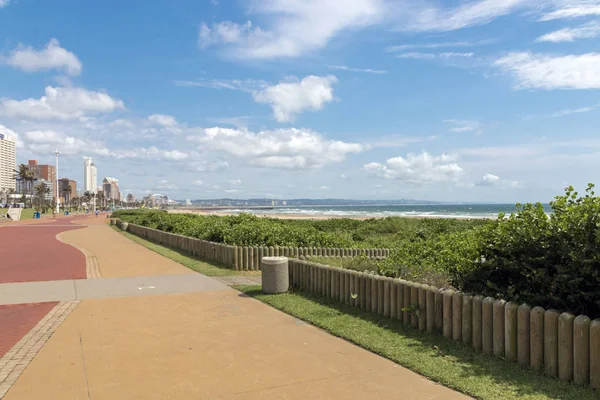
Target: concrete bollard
pixel 595 354
pixel 245 258
pixel 374 295
pixel 581 350
pixel 256 257
pixel 406 301
pixel 347 287
pixel 368 288
pixel 447 313
pixel 423 307
pixel 275 275
pixel 487 324
pixel 510 330
pixel 536 338
pixel 386 297
pixel 363 291
pixel 251 264
pixel 477 314
pixel 380 294
pixel 430 307
pixel 439 310
pixel 457 300
pixel 236 260
pixel 399 299
pixel 523 334
pixel 498 326
pixel 393 301
pixel 565 346
pixel 414 304
pixel 353 290
pixel 551 343
pixel 467 319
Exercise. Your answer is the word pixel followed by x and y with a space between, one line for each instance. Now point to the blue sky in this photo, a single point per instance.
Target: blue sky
pixel 457 100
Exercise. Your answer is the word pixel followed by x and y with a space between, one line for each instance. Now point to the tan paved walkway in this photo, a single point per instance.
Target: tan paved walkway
pixel 118 256
pixel 205 345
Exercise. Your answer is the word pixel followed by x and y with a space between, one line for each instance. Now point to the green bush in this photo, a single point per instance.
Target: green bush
pixel 548 261
pixel 249 230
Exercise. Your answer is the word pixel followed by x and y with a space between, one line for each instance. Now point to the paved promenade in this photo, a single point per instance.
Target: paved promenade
pixel 134 325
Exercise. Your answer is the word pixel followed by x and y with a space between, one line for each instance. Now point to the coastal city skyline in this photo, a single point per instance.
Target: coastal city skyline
pixel 243 100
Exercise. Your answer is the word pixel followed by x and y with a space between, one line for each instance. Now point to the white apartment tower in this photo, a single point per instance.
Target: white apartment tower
pixel 90 175
pixel 8 162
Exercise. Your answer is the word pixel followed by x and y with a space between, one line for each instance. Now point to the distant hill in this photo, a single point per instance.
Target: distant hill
pixel 307 202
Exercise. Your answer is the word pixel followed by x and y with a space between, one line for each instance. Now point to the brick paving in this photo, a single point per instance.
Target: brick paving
pixel 14 362
pixel 16 320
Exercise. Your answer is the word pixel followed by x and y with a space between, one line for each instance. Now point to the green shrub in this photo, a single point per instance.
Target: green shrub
pixel 548 261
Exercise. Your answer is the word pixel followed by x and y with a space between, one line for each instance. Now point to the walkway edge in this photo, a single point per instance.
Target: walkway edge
pixel 92 270
pixel 14 362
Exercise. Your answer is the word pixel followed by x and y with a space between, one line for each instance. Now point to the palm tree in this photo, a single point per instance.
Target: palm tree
pixel 25 174
pixel 41 196
pixel 67 193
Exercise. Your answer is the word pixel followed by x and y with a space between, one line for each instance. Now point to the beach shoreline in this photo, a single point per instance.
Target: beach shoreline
pixel 316 217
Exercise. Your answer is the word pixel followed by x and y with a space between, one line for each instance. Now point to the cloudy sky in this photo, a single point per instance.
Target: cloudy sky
pixel 454 100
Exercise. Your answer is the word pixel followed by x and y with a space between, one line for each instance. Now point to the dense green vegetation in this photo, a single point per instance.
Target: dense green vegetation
pixel 551 261
pixel 249 230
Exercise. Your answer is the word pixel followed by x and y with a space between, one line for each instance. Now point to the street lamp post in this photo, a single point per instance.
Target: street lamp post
pixel 56 153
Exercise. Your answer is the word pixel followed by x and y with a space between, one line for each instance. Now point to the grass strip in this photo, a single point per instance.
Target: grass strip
pixel 208 268
pixel 450 363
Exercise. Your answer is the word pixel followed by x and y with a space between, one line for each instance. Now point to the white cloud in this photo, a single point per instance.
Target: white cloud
pixel 495 181
pixel 283 148
pixel 123 123
pixel 209 166
pixel 297 27
pixel 231 190
pixel 235 182
pixel 418 168
pixel 489 179
pixel 465 126
pixel 343 176
pixel 51 57
pixel 46 141
pixel 4 3
pixel 288 99
pixel 162 119
pixel 434 56
pixel 573 9
pixel 569 111
pixel 61 103
pixel 151 153
pixel 541 71
pixel 472 13
pixel 243 85
pixel 586 31
pixel 403 47
pixel 366 70
pixel 198 183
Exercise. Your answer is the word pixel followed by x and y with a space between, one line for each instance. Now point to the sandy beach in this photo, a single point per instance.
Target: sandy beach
pixel 278 216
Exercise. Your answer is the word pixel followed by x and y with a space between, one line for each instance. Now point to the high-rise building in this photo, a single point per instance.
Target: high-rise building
pixel 90 175
pixel 43 171
pixel 111 188
pixel 8 162
pixel 66 197
pixel 130 198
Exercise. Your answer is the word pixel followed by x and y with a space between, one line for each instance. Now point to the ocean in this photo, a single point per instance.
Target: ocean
pixel 437 210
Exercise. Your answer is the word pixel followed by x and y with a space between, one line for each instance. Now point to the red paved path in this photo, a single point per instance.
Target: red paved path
pixel 32 253
pixel 29 251
pixel 16 320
